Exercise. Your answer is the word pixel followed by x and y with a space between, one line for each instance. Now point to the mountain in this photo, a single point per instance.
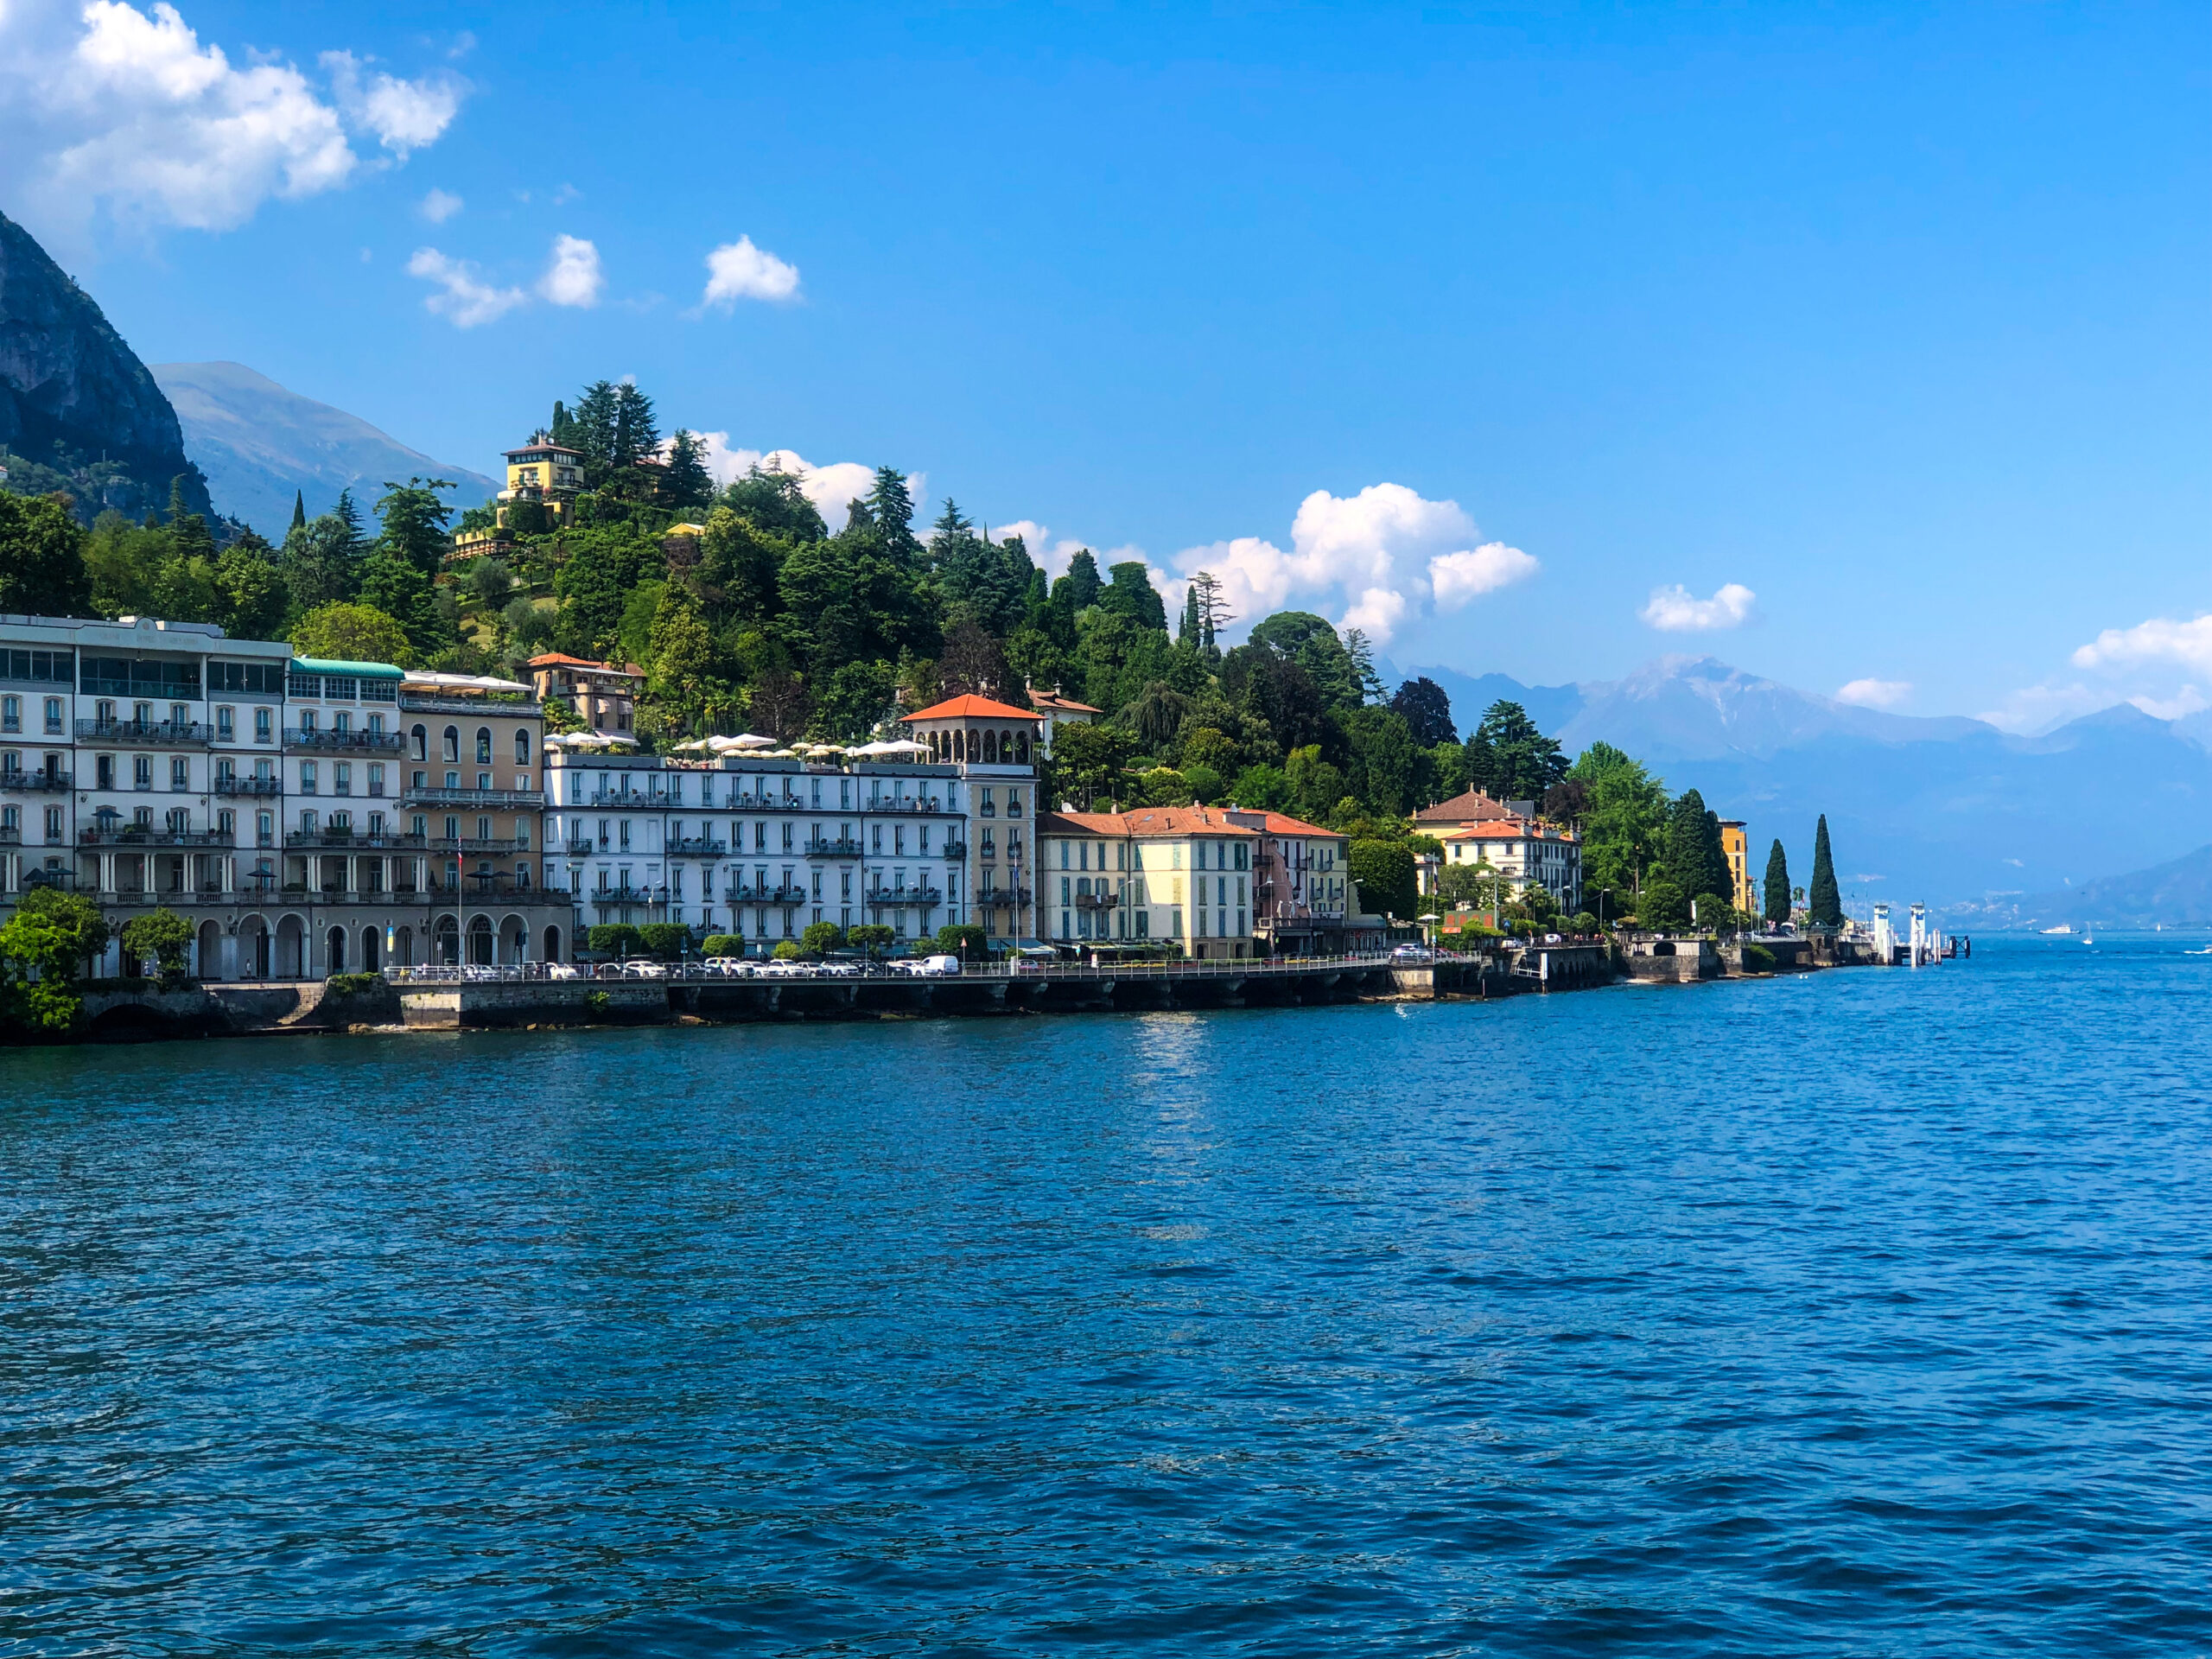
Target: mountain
pixel 78 410
pixel 2176 894
pixel 260 443
pixel 1951 811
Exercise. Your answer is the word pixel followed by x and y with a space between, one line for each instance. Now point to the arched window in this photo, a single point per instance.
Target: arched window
pixel 522 748
pixel 453 742
pixel 422 744
pixel 483 746
pixel 990 748
pixel 1022 746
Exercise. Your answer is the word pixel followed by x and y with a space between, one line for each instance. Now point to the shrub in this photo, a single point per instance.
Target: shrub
pixel 666 940
pixel 870 937
pixel 351 984
pixel 615 939
pixel 1384 870
pixel 724 944
pixel 1757 959
pixel 821 939
pixel 787 950
pixel 964 940
pixel 1583 922
pixel 162 936
pixel 43 949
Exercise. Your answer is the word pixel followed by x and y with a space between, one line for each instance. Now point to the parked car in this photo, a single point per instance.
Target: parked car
pixel 938 967
pixel 563 970
pixel 644 970
pixel 1413 953
pixel 840 971
pixel 607 970
pixel 785 969
pixel 1554 939
pixel 728 967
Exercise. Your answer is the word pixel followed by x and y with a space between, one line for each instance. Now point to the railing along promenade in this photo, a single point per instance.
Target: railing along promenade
pixel 697 974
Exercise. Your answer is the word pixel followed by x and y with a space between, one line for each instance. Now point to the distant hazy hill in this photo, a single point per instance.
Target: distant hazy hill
pixel 75 402
pixel 1952 811
pixel 2177 893
pixel 259 443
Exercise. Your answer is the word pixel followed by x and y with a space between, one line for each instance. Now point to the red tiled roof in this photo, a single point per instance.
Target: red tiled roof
pixel 1080 823
pixel 1282 823
pixel 1046 700
pixel 1182 821
pixel 1509 829
pixel 556 659
pixel 969 707
pixel 1468 805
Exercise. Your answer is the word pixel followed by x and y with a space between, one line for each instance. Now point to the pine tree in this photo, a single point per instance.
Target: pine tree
pixel 688 484
pixel 1777 885
pixel 299 509
pixel 1822 900
pixel 636 438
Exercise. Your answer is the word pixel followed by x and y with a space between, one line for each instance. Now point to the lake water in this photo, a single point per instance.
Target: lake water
pixel 1868 1312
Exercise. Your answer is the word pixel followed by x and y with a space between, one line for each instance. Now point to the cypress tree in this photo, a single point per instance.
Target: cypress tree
pixel 1694 859
pixel 1777 885
pixel 1821 899
pixel 299 509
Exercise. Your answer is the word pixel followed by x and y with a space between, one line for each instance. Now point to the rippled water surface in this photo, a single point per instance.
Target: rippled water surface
pixel 1868 1312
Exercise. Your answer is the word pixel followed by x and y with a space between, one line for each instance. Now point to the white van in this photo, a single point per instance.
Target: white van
pixel 941 967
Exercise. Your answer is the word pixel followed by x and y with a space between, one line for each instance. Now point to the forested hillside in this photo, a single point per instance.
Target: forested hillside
pixel 747 612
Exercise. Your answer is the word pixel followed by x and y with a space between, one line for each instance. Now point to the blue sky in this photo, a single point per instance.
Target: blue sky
pixel 1858 345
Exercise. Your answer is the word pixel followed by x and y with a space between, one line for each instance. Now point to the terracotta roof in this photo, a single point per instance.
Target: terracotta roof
pixel 1282 823
pixel 969 707
pixel 1183 821
pixel 556 659
pixel 1046 700
pixel 1468 805
pixel 1510 829
pixel 1081 824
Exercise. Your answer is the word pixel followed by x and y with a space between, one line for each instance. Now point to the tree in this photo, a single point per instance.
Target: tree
pixel 1427 711
pixel 160 937
pixel 666 940
pixel 299 509
pixel 1359 652
pixel 722 945
pixel 974 661
pixel 1308 641
pixel 1509 757
pixel 1315 785
pixel 1778 884
pixel 687 483
pixel 615 940
pixel 1263 789
pixel 1479 883
pixel 1661 904
pixel 821 937
pixel 392 584
pixel 353 633
pixel 414 523
pixel 1130 594
pixel 1695 860
pixel 1822 900
pixel 322 561
pixel 1385 766
pixel 964 940
pixel 1088 764
pixel 1385 875
pixel 250 590
pixel 44 948
pixel 1081 585
pixel 41 558
pixel 1624 820
pixel 871 936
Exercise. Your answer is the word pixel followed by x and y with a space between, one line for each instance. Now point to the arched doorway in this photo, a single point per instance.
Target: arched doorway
pixel 253 949
pixel 372 949
pixel 514 941
pixel 552 944
pixel 403 948
pixel 479 942
pixel 449 941
pixel 291 949
pixel 208 960
pixel 334 942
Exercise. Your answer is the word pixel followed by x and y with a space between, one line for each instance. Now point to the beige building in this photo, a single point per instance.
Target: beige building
pixel 1301 884
pixel 1735 844
pixel 1056 711
pixel 1524 852
pixel 603 694
pixel 1176 876
pixel 993 749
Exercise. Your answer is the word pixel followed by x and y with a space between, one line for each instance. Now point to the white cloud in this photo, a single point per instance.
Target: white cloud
pixel 439 206
pixel 1676 610
pixel 2038 707
pixel 2187 701
pixel 464 299
pixel 2157 641
pixel 1460 577
pixel 833 488
pixel 1379 560
pixel 106 106
pixel 404 115
pixel 1875 694
pixel 573 277
pixel 738 270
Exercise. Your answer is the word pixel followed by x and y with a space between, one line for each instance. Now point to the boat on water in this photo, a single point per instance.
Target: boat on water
pixel 2064 927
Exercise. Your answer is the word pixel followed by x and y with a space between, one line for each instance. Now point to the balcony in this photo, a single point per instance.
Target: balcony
pixel 924 803
pixel 431 702
pixel 698 847
pixel 844 846
pixel 626 798
pixel 1097 900
pixel 34 783
pixel 1003 896
pixel 744 895
pixel 370 742
pixel 342 841
pixel 249 786
pixel 10 835
pixel 924 897
pixel 132 834
pixel 764 804
pixel 956 850
pixel 529 799
pixel 148 734
pixel 582 846
pixel 608 898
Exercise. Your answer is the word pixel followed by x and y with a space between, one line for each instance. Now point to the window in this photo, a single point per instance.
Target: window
pixel 483 829
pixel 141 771
pixel 180 774
pixel 452 826
pixel 522 748
pixel 988 809
pixel 483 746
pixel 375 725
pixel 309 721
pixel 227 723
pixel 342 722
pixel 264 828
pixel 11 714
pixel 453 743
pixel 52 824
pixel 308 779
pixel 264 725
pixel 341 775
pixel 375 777
pixel 422 740
pixel 1013 802
pixel 53 713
